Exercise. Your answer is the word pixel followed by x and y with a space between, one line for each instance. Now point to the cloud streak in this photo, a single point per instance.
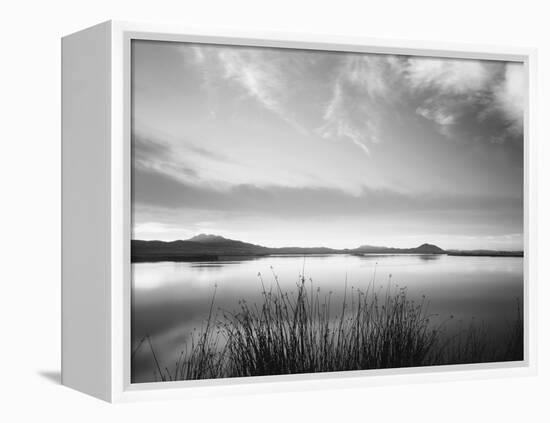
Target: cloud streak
pixel 262 74
pixel 362 88
pixel 454 95
pixel 365 86
pixel 155 188
pixel 451 76
pixel 510 96
pixel 452 89
pixel 159 155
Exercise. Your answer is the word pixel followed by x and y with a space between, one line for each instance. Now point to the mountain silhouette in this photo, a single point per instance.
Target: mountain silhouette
pixel 208 238
pixel 422 249
pixel 215 247
pixel 430 249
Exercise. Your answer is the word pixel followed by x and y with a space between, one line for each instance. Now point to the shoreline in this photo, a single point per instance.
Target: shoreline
pixel 241 257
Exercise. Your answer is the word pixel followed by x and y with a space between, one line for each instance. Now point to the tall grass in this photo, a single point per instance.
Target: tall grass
pixel 299 332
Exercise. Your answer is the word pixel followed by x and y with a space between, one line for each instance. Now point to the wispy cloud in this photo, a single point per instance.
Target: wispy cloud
pixel 169 156
pixel 361 91
pixel 456 91
pixel 448 86
pixel 255 74
pixel 339 123
pixel 262 74
pixel 438 116
pixel 156 188
pixel 452 76
pixel 441 116
pixel 454 95
pixel 510 96
pixel 151 153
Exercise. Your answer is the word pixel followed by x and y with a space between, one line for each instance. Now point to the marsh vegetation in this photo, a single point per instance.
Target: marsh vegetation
pixel 303 331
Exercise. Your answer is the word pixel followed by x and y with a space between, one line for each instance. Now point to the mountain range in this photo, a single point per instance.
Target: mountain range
pixel 215 247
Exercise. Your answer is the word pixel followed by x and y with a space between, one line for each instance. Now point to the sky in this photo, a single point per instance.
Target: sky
pixel 284 147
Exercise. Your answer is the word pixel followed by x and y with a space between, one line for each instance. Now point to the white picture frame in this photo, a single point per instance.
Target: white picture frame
pixel 96 219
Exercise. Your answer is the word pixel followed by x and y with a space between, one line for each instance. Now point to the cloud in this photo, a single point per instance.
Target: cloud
pixel 262 74
pixel 370 73
pixel 455 95
pixel 364 90
pixel 255 74
pixel 146 149
pixel 441 115
pixel 280 80
pixel 449 87
pixel 438 116
pixel 169 156
pixel 510 96
pixel 453 76
pixel 360 93
pixel 459 95
pixel 157 189
pixel 339 123
pixel 151 153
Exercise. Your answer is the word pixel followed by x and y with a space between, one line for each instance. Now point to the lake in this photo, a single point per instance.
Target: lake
pixel 171 299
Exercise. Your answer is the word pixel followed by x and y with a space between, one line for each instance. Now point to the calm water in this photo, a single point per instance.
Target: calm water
pixel 170 299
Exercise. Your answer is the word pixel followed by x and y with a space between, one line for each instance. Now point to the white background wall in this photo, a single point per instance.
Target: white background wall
pixel 30 207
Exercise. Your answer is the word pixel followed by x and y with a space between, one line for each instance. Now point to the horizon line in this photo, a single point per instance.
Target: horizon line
pixel 323 246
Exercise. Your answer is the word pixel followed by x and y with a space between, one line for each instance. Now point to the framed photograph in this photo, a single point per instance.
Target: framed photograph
pixel 272 212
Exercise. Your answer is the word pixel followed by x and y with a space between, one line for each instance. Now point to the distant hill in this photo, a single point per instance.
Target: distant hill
pixel 422 249
pixel 214 247
pixel 207 238
pixel 200 247
pixel 429 249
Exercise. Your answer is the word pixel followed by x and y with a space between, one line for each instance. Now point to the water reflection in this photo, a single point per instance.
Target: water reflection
pixel 429 257
pixel 169 300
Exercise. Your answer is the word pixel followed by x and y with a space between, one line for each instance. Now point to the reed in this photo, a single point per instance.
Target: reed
pixel 300 332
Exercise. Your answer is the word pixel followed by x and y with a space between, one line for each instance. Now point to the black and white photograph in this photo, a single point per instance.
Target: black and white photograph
pixel 310 211
pixel 275 211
